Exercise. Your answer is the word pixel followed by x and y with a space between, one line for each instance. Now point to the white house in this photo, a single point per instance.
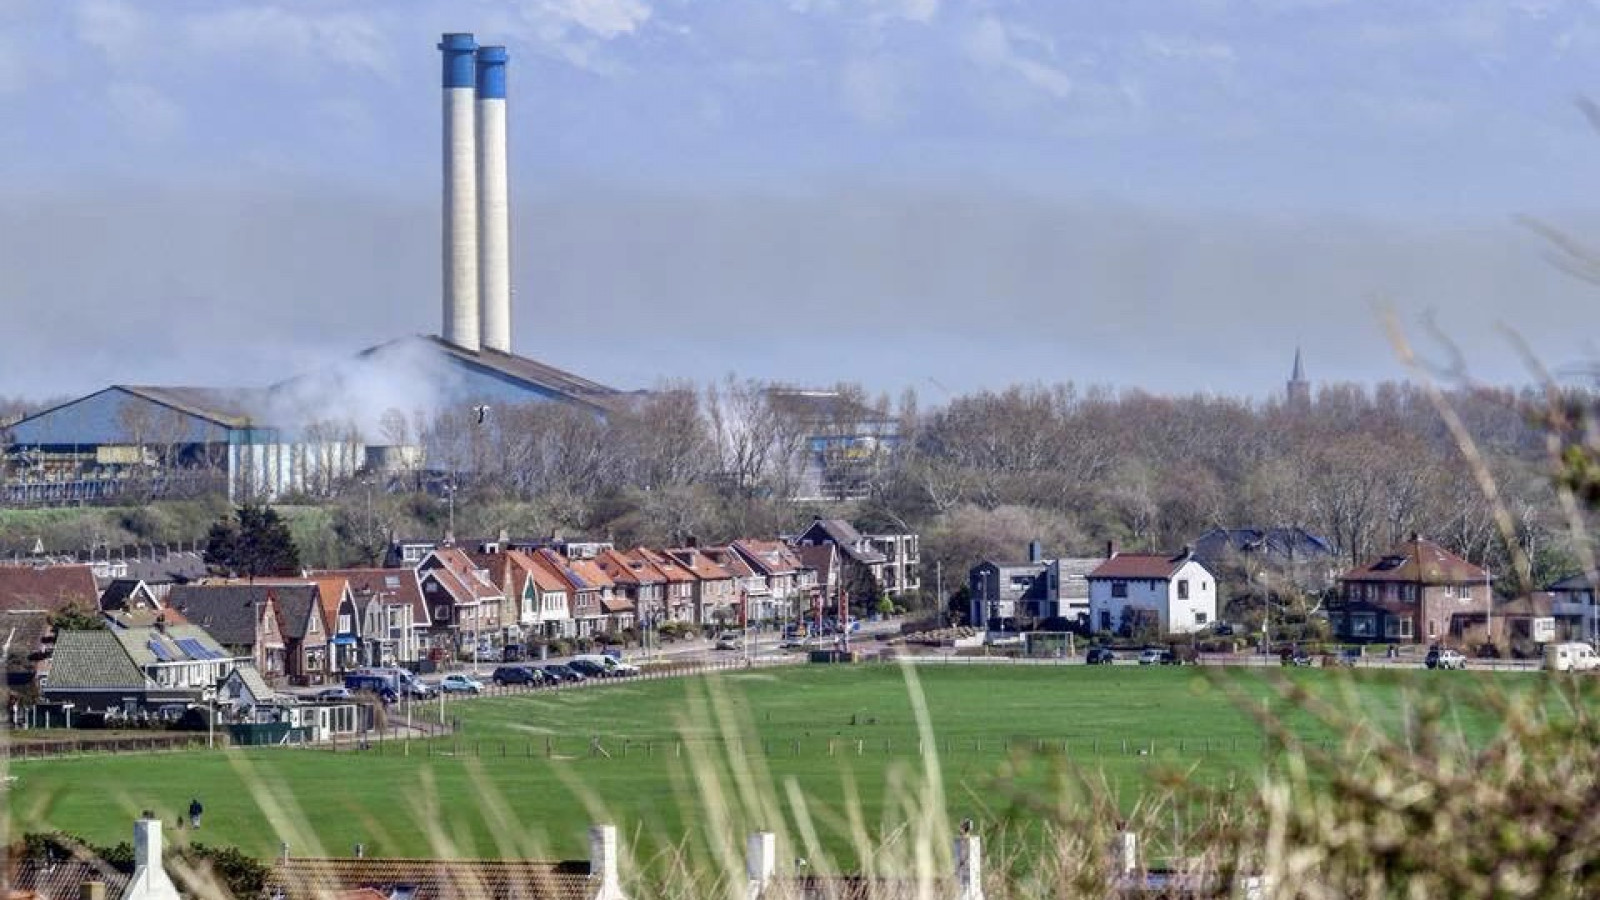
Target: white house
pixel 1177 590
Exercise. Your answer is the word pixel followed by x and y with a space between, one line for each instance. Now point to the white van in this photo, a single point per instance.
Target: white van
pixel 1570 657
pixel 614 668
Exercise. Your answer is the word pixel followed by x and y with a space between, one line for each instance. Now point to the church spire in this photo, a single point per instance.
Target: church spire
pixel 1299 389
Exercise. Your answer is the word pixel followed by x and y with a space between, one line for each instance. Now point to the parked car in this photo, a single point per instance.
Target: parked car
pixel 588 668
pixel 730 640
pixel 517 675
pixel 606 666
pixel 1294 656
pixel 335 693
pixel 1224 629
pixel 1439 658
pixel 1171 658
pixel 1151 656
pixel 513 653
pixel 557 672
pixel 1101 656
pixel 460 684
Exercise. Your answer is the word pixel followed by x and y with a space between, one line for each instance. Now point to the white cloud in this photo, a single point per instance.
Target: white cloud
pixel 991 44
pixel 114 27
pixel 602 18
pixel 921 11
pixel 144 113
pixel 872 90
pixel 1181 47
pixel 346 40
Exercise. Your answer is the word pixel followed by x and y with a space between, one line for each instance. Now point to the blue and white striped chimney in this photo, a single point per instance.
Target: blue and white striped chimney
pixel 494 229
pixel 460 193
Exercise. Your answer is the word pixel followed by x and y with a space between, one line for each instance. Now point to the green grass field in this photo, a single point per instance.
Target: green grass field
pixel 736 751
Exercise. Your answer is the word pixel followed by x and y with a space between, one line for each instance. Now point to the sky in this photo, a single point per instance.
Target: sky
pixel 942 195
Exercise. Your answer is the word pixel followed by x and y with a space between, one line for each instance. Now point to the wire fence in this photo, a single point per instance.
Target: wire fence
pixel 167 742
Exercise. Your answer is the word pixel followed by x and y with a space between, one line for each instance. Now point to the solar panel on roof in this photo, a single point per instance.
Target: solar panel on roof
pixel 195 649
pixel 159 650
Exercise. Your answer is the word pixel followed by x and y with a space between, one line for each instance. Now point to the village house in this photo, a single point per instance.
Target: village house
pixel 29 596
pixel 393 617
pixel 1572 602
pixel 696 586
pixel 585 611
pixel 463 602
pixel 510 571
pixel 1174 594
pixel 553 600
pixel 123 671
pixel 638 580
pixel 617 611
pixel 339 621
pixel 1418 592
pixel 243 618
pixel 788 587
pixel 861 562
pixel 750 593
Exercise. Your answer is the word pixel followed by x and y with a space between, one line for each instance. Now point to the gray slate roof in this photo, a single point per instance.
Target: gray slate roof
pixel 295 602
pixel 92 659
pixel 226 611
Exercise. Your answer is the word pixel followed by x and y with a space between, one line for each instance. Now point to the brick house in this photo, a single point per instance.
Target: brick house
pixel 1418 592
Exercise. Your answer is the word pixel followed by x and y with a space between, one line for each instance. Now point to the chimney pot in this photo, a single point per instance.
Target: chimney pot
pixel 969 867
pixel 1111 549
pixel 603 862
pixel 761 861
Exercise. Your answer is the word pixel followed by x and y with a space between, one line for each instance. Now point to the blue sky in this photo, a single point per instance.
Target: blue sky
pixel 928 193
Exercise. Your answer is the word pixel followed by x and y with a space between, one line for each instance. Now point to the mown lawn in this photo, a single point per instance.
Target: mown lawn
pixel 736 751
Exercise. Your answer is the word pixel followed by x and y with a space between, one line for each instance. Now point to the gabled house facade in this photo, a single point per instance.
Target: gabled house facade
pixel 553 599
pixel 305 638
pixel 750 592
pixel 392 615
pixel 638 580
pixel 584 609
pixel 696 586
pixel 1173 593
pixel 1572 599
pixel 902 562
pixel 1418 592
pixel 243 618
pixel 775 562
pixel 463 602
pixel 862 562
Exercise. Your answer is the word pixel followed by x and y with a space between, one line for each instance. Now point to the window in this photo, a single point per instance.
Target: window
pixel 1105 620
pixel 1405 627
pixel 344 623
pixel 442 613
pixel 1433 629
pixel 1200 618
pixel 1449 590
pixel 1119 589
pixel 1183 589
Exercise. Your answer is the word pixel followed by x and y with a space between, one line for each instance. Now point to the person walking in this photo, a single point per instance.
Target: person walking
pixel 195 809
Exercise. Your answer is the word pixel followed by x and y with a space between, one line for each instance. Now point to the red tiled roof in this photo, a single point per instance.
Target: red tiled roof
pixel 1140 565
pixel 47 587
pixel 433 879
pixel 591 572
pixel 401 583
pixel 466 572
pixel 629 568
pixel 730 561
pixel 696 561
pixel 771 557
pixel 545 575
pixel 1419 561
pixel 671 568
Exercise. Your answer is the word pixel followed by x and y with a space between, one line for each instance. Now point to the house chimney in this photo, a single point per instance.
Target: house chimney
pixel 1035 551
pixel 1111 549
pixel 969 865
pixel 1124 851
pixel 361 851
pixel 150 880
pixel 603 863
pixel 92 890
pixel 760 861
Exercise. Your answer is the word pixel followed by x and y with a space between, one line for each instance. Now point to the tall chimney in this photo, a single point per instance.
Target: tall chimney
pixel 150 880
pixel 494 229
pixel 969 866
pixel 603 864
pixel 760 862
pixel 460 194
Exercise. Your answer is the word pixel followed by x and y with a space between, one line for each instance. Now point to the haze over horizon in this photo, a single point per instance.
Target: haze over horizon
pixel 946 196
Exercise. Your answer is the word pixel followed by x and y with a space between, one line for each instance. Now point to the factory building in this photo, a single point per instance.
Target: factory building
pixel 307 433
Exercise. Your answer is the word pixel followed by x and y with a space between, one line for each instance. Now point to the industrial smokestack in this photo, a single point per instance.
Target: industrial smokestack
pixel 494 230
pixel 460 194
